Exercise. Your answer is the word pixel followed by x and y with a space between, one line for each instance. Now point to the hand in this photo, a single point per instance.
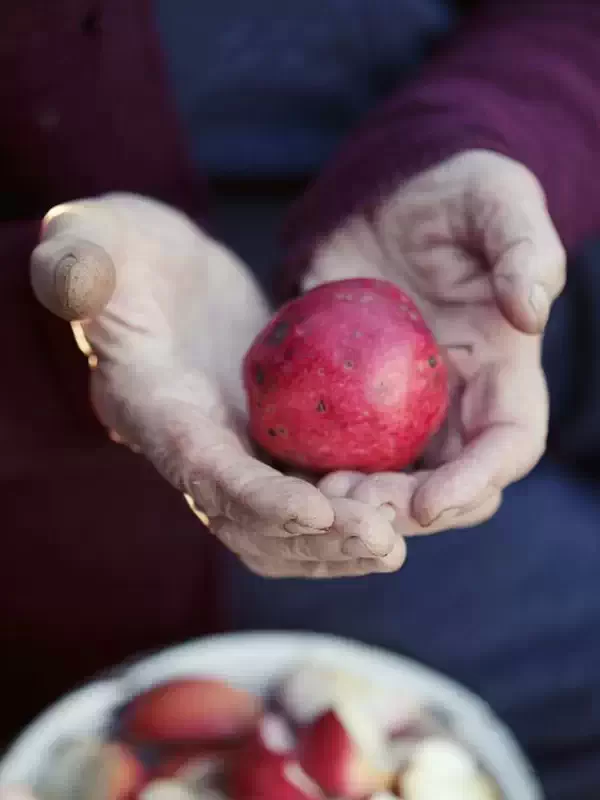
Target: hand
pixel 472 242
pixel 167 314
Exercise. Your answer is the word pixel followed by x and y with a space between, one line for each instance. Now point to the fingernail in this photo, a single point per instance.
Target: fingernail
pixel 425 519
pixel 296 529
pixel 356 548
pixel 538 300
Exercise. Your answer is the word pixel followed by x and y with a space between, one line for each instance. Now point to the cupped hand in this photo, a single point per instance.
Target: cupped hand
pixel 166 314
pixel 471 241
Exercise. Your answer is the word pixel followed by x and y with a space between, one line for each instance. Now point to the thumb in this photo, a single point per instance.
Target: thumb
pixel 527 259
pixel 527 279
pixel 73 278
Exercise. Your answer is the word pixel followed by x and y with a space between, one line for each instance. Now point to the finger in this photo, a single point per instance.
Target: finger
pixel 504 412
pixel 272 543
pixel 524 250
pixel 483 508
pixel 367 524
pixel 396 490
pixel 525 283
pixel 499 456
pixel 207 460
pixel 235 485
pixel 319 570
pixel 340 484
pixel 73 278
pixel 388 488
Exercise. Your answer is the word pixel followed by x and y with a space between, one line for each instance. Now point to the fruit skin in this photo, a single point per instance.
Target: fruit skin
pixel 190 710
pixel 347 376
pixel 267 767
pixel 121 775
pixel 345 754
pixel 262 775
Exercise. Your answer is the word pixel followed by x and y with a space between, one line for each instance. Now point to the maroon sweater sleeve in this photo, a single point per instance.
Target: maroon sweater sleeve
pixel 521 78
pixel 95 547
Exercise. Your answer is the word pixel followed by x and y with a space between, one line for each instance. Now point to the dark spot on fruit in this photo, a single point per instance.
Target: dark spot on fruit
pixel 272 432
pixel 321 407
pixel 432 361
pixel 259 376
pixel 282 431
pixel 289 354
pixel 279 333
pixel 348 364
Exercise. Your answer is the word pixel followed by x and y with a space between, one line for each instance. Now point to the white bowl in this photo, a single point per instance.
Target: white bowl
pixel 254 661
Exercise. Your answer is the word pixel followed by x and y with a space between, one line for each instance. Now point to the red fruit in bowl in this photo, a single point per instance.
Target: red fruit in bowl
pixel 190 710
pixel 348 376
pixel 267 767
pixel 192 765
pixel 346 753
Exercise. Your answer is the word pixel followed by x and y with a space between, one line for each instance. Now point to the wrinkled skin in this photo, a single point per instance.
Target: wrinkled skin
pixel 168 314
pixel 472 243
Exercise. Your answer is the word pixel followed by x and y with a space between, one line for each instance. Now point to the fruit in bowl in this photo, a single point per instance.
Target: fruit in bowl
pixel 318 733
